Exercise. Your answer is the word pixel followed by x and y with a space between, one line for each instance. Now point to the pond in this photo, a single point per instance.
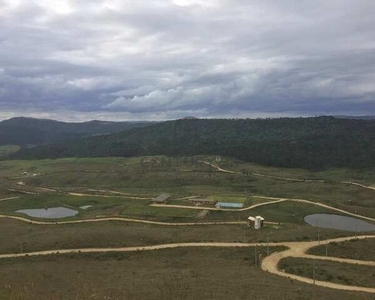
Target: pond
pixel 49 213
pixel 338 222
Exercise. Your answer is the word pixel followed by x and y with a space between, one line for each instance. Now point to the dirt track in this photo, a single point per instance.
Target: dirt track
pixel 106 196
pixel 269 264
pixel 299 249
pixel 220 209
pixel 119 219
pixel 10 198
pixel 287 178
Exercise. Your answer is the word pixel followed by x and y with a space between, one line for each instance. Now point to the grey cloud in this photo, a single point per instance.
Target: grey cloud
pixel 208 57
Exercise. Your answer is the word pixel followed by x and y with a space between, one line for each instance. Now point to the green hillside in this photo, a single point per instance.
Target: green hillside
pixel 29 131
pixel 319 142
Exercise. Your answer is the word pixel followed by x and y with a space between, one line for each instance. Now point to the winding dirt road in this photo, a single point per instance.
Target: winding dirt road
pixel 321 205
pixel 120 219
pixel 274 201
pixel 299 249
pixel 106 196
pixel 10 198
pixel 287 178
pixel 268 264
pixel 220 209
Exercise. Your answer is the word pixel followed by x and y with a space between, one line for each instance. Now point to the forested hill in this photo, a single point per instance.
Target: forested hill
pixel 29 131
pixel 287 142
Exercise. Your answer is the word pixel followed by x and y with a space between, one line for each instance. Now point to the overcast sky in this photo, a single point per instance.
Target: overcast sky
pixel 164 59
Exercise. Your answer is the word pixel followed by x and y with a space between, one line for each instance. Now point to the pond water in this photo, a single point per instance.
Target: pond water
pixel 85 206
pixel 338 222
pixel 49 213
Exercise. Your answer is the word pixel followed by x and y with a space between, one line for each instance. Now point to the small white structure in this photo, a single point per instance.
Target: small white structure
pixel 258 222
pixel 255 222
pixel 21 183
pixel 250 221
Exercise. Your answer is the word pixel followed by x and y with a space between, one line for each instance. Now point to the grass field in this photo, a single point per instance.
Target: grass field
pixel 284 212
pixel 16 234
pixel 8 149
pixel 168 274
pixel 197 179
pixel 365 176
pixel 347 274
pixel 354 249
pixel 205 273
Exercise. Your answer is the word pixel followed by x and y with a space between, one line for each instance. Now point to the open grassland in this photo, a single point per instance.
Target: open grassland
pixel 364 176
pixel 133 176
pixel 123 187
pixel 347 274
pixel 112 206
pixel 189 273
pixel 354 249
pixel 284 212
pixel 19 236
pixel 8 149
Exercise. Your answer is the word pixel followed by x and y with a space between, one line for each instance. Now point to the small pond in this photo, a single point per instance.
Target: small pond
pixel 339 222
pixel 49 213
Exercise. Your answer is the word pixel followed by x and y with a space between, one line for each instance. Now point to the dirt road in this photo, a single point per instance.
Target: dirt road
pixel 220 209
pixel 10 198
pixel 119 219
pixel 321 205
pixel 106 196
pixel 287 178
pixel 268 264
pixel 299 249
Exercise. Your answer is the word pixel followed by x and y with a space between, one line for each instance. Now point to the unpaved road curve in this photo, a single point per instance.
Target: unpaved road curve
pixel 30 221
pixel 299 249
pixel 287 178
pixel 220 209
pixel 269 264
pixel 132 249
pixel 321 205
pixel 106 196
pixel 10 198
pixel 217 167
pixel 274 201
pixel 359 184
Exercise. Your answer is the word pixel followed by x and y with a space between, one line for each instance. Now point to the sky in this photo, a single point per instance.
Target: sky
pixel 165 59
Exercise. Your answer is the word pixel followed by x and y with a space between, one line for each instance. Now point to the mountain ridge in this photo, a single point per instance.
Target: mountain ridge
pixel 316 142
pixel 32 131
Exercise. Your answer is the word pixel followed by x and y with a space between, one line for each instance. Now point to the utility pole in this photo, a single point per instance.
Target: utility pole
pixel 318 237
pixel 314 273
pixel 326 249
pixel 256 256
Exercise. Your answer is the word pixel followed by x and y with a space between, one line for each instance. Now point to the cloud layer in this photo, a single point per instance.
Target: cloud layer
pixel 162 59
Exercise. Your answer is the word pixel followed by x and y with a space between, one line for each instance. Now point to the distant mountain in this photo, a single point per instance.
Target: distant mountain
pixel 313 143
pixel 28 131
pixel 356 117
pixel 189 118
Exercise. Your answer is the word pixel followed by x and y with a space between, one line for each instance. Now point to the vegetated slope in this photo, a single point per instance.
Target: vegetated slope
pixel 29 131
pixel 287 142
